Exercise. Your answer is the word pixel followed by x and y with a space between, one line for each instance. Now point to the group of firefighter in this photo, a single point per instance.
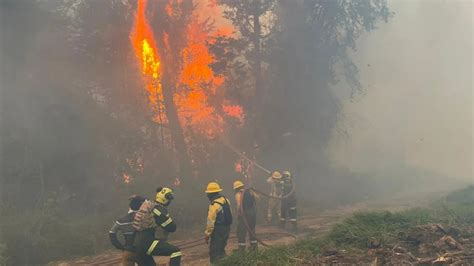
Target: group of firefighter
pixel 147 224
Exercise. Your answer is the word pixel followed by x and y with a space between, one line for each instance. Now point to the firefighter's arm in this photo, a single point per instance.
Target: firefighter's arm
pixel 255 195
pixel 163 219
pixel 238 198
pixel 211 218
pixel 269 180
pixel 113 236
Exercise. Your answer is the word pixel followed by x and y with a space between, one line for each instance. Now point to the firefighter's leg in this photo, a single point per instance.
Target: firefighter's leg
pixel 241 233
pixel 128 258
pixel 271 207
pixel 163 248
pixel 252 221
pixel 292 217
pixel 283 213
pixel 218 242
pixel 146 260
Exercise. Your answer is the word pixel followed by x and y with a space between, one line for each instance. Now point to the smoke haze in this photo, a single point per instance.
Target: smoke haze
pixel 416 109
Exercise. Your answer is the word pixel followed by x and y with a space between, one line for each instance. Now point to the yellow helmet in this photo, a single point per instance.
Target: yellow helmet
pixel 213 187
pixel 287 174
pixel 238 184
pixel 164 195
pixel 276 175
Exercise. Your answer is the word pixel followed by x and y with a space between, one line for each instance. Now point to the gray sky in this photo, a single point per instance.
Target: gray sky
pixel 417 109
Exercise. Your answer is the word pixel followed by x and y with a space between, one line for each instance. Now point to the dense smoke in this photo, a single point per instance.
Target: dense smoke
pixel 417 107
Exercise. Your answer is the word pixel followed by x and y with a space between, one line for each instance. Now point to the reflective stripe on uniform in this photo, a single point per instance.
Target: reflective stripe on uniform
pixel 253 242
pixel 152 247
pixel 176 254
pixel 293 208
pixel 282 219
pixel 292 220
pixel 157 212
pixel 117 222
pixel 242 244
pixel 167 222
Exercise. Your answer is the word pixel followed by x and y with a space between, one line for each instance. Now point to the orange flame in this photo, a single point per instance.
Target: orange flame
pixel 126 178
pixel 144 45
pixel 198 85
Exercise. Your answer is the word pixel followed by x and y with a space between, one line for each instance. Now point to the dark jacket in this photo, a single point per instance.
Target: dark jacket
pixel 123 225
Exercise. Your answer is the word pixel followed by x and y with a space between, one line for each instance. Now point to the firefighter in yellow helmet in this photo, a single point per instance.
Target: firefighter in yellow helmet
pixel 219 220
pixel 274 205
pixel 288 203
pixel 153 224
pixel 246 214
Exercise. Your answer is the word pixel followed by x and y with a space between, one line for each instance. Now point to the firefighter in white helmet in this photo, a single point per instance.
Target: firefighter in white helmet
pixel 274 205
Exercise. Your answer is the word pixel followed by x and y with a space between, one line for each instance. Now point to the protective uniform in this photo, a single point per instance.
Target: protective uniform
pixel 274 205
pixel 246 214
pixel 124 226
pixel 288 204
pixel 219 220
pixel 147 243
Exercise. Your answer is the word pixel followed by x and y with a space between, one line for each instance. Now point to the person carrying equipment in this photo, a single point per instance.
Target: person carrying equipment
pixel 124 225
pixel 246 214
pixel 288 204
pixel 219 219
pixel 154 216
pixel 274 205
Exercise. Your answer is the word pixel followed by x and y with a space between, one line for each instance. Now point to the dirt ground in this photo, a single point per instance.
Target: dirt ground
pixel 272 235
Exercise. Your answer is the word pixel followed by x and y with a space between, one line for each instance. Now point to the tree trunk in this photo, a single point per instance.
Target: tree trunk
pixel 258 99
pixel 177 135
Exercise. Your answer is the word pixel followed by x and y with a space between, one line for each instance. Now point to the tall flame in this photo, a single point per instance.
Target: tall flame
pixel 144 45
pixel 198 85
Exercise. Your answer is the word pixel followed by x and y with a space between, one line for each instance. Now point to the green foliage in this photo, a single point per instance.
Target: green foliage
pixel 356 231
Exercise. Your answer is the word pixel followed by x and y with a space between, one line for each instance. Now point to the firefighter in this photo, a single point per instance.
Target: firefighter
pixel 219 219
pixel 274 204
pixel 288 203
pixel 124 225
pixel 153 217
pixel 247 215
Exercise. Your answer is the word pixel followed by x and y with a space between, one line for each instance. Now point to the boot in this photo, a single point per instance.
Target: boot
pixel 282 223
pixel 253 245
pixel 294 227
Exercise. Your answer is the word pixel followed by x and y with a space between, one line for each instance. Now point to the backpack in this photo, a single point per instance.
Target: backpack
pixel 248 202
pixel 225 216
pixel 144 218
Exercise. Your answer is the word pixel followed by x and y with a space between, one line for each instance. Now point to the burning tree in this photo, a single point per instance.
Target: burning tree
pixel 185 95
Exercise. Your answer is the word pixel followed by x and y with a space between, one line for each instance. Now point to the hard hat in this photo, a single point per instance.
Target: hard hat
pixel 213 187
pixel 164 195
pixel 238 184
pixel 287 174
pixel 276 175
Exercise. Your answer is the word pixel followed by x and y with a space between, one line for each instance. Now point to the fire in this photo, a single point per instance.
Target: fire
pixel 197 97
pixel 126 178
pixel 144 45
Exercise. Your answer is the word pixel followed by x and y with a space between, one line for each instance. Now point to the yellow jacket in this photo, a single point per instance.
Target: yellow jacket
pixel 214 209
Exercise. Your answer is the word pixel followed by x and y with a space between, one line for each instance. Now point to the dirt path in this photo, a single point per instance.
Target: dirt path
pixel 272 235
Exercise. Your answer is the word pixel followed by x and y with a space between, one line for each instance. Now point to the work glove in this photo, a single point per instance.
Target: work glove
pixel 206 238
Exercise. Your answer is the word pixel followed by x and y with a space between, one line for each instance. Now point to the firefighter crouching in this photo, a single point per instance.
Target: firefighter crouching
pixel 124 225
pixel 288 203
pixel 274 205
pixel 247 215
pixel 219 219
pixel 152 217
